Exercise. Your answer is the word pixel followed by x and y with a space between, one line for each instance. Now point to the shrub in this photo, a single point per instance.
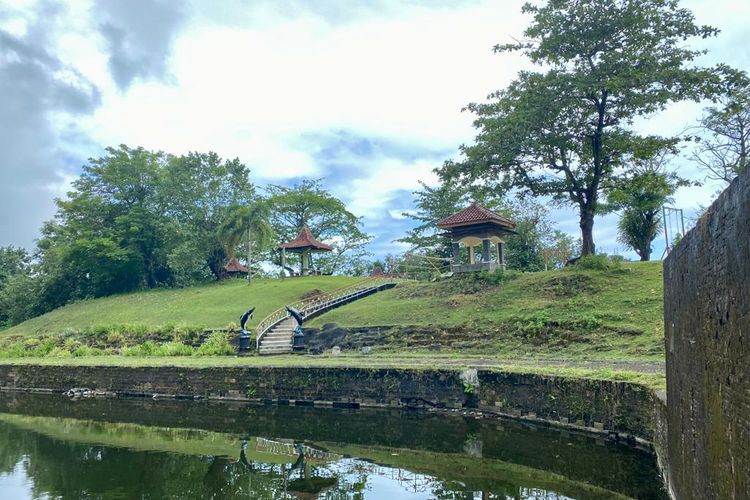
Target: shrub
pixel 600 262
pixel 188 334
pixel 13 351
pixel 59 352
pixel 217 344
pixel 85 350
pixel 148 348
pixel 174 348
pixel 45 346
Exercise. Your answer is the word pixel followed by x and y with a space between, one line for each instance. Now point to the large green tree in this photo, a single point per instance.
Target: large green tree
pixel 308 204
pixel 109 234
pixel 198 193
pixel 15 267
pixel 566 130
pixel 137 218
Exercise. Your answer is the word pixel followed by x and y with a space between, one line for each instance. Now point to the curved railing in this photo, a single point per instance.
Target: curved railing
pixel 318 303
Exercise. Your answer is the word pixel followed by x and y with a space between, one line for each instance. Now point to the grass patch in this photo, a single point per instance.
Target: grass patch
pixel 588 311
pixel 207 306
pixel 599 309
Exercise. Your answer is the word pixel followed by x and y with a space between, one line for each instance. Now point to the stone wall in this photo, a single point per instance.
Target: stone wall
pixel 707 327
pixel 621 409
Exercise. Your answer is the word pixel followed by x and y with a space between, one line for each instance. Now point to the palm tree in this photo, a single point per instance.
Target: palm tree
pixel 249 222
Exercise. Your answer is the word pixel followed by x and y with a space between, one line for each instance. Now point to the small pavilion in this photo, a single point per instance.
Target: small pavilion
pixel 304 244
pixel 233 268
pixel 478 226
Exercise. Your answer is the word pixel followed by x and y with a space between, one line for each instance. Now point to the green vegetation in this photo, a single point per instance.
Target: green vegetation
pixel 598 309
pixel 206 306
pixel 601 309
pixel 565 128
pixel 138 219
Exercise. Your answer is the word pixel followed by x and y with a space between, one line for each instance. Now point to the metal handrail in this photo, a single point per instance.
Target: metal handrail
pixel 317 303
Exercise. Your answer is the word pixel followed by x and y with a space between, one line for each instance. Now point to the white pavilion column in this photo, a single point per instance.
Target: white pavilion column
pixel 501 254
pixel 471 254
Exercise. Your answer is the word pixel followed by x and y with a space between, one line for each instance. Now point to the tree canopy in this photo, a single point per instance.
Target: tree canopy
pixel 308 204
pixel 566 130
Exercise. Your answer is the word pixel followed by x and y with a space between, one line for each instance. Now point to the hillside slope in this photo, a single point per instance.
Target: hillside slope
pixel 212 306
pixel 595 314
pixel 572 314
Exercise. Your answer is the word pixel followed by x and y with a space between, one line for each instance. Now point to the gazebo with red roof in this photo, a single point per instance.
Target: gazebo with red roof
pixel 234 268
pixel 304 244
pixel 477 225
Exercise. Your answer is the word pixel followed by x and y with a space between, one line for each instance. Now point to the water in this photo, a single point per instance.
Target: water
pixel 51 447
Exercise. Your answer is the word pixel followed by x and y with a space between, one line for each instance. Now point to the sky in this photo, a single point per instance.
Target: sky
pixel 366 95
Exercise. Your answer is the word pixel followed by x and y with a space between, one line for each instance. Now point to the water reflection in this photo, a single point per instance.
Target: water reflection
pixel 51 447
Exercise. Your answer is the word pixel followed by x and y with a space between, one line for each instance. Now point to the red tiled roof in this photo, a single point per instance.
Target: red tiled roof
pixel 305 239
pixel 377 272
pixel 234 266
pixel 475 213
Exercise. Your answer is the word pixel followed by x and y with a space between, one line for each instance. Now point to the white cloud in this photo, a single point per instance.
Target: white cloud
pixel 256 80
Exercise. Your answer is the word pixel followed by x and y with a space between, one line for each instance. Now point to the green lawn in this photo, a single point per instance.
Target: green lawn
pixel 212 306
pixel 571 313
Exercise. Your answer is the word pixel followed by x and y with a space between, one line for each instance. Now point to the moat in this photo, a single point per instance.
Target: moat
pixel 53 447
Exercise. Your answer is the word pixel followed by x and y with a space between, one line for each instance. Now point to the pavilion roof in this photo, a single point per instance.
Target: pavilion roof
pixel 476 213
pixel 305 240
pixel 234 266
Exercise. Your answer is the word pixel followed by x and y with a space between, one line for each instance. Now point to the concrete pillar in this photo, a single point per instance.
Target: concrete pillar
pixel 471 254
pixel 485 251
pixel 456 253
pixel 501 253
pixel 303 263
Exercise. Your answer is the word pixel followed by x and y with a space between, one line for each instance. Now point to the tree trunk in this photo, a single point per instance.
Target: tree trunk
pixel 587 233
pixel 249 254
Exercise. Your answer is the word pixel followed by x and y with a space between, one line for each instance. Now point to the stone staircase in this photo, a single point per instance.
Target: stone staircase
pixel 275 333
pixel 278 339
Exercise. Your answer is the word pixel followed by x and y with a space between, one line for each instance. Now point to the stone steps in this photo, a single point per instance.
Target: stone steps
pixel 280 338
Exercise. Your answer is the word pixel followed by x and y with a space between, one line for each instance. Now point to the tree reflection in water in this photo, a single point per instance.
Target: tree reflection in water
pixel 341 456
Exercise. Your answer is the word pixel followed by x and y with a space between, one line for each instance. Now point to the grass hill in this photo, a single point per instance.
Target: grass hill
pixel 593 313
pixel 211 306
pixel 608 313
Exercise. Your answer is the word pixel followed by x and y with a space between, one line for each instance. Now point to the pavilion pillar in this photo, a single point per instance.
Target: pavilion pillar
pixel 283 262
pixel 485 251
pixel 501 254
pixel 456 253
pixel 471 255
pixel 304 263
